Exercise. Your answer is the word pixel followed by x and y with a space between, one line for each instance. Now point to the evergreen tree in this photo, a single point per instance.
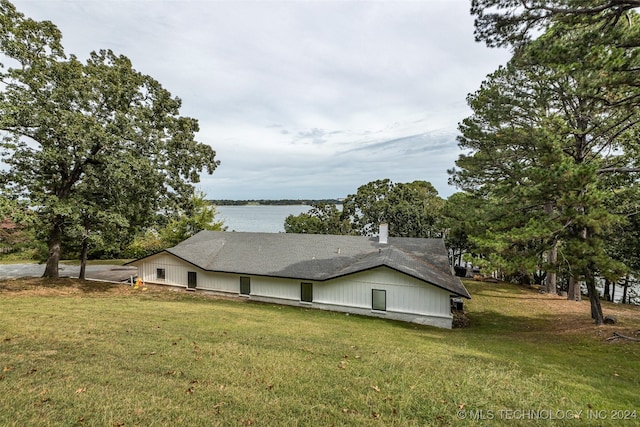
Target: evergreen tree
pixel 543 133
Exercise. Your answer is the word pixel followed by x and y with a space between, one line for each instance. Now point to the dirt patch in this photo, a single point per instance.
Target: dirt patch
pixel 575 316
pixel 60 287
pixel 71 287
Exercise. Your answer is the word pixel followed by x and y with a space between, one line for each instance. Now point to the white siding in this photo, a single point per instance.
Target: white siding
pixel 404 294
pixel 175 270
pixel 176 274
pixel 288 289
pixel 407 298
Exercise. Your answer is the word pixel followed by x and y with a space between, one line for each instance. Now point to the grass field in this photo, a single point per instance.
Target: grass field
pixel 86 353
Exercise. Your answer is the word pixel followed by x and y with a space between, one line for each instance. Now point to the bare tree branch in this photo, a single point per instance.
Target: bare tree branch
pixel 619 170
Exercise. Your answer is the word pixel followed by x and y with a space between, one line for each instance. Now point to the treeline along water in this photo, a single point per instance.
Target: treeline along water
pixel 279 202
pixel 258 218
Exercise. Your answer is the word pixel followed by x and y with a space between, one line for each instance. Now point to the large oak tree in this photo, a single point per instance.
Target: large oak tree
pixel 97 127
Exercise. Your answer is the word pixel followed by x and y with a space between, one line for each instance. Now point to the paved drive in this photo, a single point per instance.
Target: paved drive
pixel 112 273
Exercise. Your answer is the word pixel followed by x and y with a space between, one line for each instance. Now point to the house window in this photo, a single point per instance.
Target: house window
pixel 379 300
pixel 192 280
pixel 306 292
pixel 161 273
pixel 245 285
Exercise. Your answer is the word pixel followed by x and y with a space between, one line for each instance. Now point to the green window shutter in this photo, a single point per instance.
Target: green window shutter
pixel 245 285
pixel 192 280
pixel 306 292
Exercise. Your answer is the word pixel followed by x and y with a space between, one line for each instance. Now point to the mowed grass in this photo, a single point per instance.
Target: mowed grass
pixel 88 353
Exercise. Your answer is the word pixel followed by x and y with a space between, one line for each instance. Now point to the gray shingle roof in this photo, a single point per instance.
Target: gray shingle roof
pixel 318 257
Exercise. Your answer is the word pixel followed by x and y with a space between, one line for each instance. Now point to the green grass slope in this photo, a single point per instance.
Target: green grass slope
pixel 86 353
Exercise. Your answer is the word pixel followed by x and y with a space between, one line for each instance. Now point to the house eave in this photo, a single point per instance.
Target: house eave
pixel 307 278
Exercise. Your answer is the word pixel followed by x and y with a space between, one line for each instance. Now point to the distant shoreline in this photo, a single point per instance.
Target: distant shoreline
pixel 279 202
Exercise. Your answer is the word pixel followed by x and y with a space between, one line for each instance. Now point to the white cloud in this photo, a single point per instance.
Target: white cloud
pixel 300 99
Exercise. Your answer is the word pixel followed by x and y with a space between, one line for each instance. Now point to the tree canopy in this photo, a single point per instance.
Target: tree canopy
pixel 516 22
pixel 89 137
pixel 322 218
pixel 548 130
pixel 411 210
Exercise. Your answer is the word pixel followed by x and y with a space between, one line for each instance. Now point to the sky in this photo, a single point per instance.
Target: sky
pixel 299 99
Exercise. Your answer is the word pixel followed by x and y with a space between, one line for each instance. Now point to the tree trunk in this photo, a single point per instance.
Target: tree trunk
pixel 83 257
pixel 589 278
pixel 624 290
pixel 573 293
pixel 552 258
pixel 55 240
pixel 596 308
pixel 550 284
pixel 607 290
pixel 613 291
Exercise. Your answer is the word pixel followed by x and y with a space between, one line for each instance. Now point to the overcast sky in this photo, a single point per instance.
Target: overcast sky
pixel 300 99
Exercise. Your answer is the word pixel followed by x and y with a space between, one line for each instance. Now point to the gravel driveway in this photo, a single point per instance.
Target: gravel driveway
pixel 112 273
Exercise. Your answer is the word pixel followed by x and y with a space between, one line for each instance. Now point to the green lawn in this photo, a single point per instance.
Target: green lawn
pixel 8 259
pixel 85 353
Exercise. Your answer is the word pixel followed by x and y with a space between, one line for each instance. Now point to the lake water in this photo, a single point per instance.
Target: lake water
pixel 257 218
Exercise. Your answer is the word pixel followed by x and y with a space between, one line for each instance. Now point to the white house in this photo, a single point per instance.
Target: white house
pixel 405 279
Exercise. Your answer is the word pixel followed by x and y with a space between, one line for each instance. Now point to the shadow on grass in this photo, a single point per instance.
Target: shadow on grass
pixel 508 297
pixel 490 322
pixel 86 286
pixel 502 290
pixel 89 286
